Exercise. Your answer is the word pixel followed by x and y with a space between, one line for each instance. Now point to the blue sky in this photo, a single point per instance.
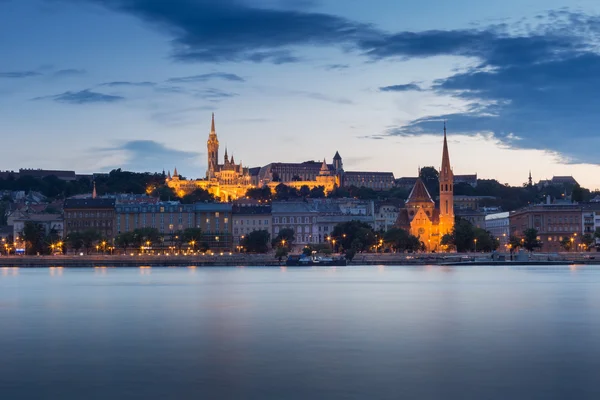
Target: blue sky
pixel 93 85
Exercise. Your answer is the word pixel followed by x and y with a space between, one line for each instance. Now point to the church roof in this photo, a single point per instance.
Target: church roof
pixel 419 193
pixel 403 221
pixel 337 156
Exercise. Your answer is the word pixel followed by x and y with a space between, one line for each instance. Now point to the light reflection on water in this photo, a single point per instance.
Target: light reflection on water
pixel 300 333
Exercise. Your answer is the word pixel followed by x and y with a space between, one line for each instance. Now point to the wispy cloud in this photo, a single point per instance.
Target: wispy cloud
pixel 128 83
pixel 69 72
pixel 19 74
pixel 208 77
pixel 82 97
pixel 408 87
pixel 337 67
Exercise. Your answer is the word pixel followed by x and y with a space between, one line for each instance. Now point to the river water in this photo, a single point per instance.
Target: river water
pixel 300 333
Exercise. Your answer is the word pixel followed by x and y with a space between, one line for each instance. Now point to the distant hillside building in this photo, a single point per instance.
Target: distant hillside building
pixel 230 180
pixel 558 181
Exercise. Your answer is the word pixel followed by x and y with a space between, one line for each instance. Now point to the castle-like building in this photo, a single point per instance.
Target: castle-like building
pixel 230 181
pixel 420 216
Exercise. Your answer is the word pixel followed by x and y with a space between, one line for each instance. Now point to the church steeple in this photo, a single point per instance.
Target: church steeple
pixel 212 146
pixel 445 156
pixel 446 191
pixel 226 157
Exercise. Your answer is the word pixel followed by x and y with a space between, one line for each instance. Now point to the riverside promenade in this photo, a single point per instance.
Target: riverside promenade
pixel 236 259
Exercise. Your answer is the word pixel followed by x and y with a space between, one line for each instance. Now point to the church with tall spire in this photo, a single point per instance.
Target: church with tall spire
pixel 421 217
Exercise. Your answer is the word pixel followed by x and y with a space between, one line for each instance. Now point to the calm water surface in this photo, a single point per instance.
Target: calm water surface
pixel 300 333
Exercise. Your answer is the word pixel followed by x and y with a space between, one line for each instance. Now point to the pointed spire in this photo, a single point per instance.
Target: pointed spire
pixel 530 180
pixel 226 157
pixel 169 174
pixel 94 194
pixel 232 161
pixel 212 125
pixel 446 169
pixel 175 172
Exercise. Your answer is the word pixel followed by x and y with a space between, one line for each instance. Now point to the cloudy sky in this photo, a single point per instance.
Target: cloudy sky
pixel 93 85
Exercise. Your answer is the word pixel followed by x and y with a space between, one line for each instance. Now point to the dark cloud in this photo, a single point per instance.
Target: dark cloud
pixel 231 30
pixel 69 72
pixel 401 88
pixel 127 83
pixel 148 155
pixel 541 93
pixel 82 97
pixel 19 74
pixel 207 77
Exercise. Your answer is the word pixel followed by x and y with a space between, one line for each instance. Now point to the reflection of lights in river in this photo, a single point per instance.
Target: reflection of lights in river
pixel 145 270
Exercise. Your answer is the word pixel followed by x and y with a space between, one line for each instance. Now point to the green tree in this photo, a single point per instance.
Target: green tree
pixel 89 238
pixel 164 193
pixel 317 192
pixel 400 240
pixel 531 240
pixel 485 240
pixel 339 193
pixel 285 238
pixel 448 242
pixel 354 235
pixel 565 243
pixel 588 241
pixel 263 193
pixel 284 192
pixel 577 194
pixel 463 235
pixel 256 241
pixel 143 236
pixel 125 240
pixel 192 236
pixel 514 243
pixel 198 196
pixel 304 191
pixel 281 252
pixel 33 235
pixel 431 179
pixel 75 241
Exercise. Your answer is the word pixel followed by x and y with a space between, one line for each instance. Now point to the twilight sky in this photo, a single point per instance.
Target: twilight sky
pixel 93 85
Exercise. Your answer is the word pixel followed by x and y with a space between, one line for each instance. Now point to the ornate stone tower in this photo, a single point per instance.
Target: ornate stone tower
pixel 446 191
pixel 212 146
pixel 338 168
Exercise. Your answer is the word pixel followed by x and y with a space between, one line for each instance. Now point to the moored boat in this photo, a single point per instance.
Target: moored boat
pixel 315 261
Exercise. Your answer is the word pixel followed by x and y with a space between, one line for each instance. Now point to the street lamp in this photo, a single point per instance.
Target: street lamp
pixel 475 245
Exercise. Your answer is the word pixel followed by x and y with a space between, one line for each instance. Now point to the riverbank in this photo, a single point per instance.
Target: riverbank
pixel 236 259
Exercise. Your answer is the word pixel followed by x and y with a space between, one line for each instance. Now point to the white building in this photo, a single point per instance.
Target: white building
pixel 385 217
pixel 50 222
